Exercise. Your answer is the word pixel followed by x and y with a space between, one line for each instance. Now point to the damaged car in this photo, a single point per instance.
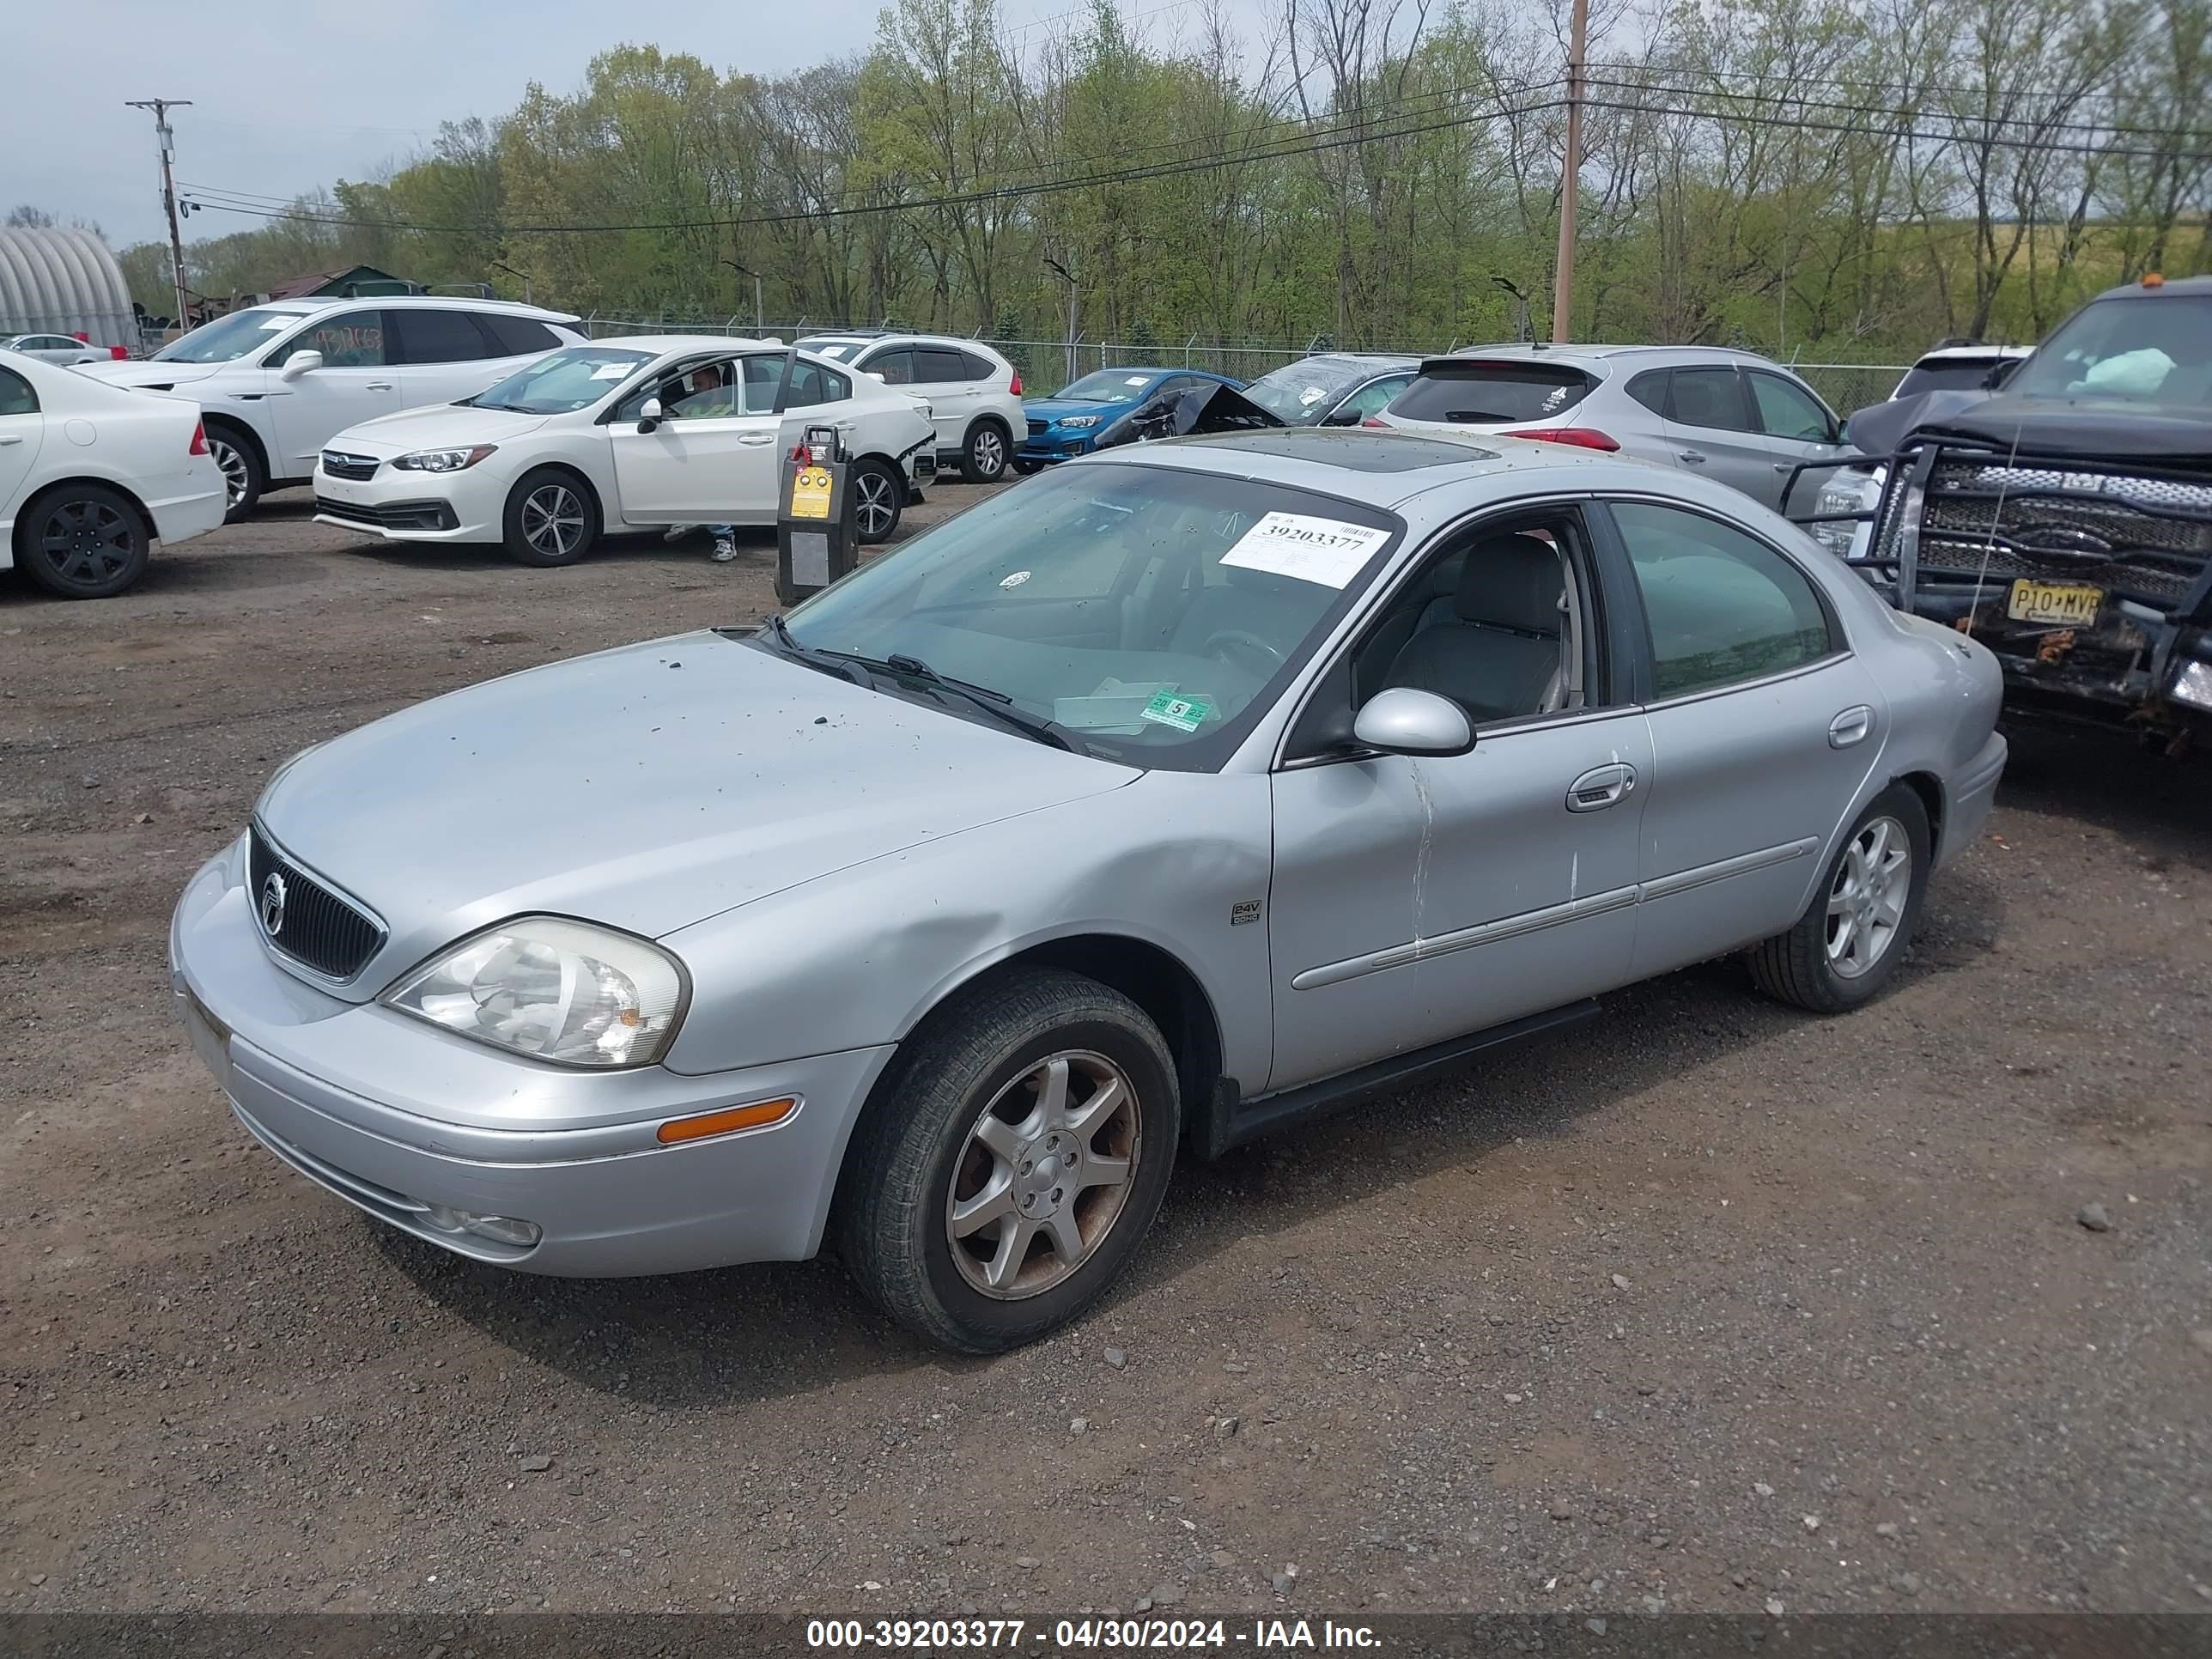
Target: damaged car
pixel 1194 788
pixel 2064 518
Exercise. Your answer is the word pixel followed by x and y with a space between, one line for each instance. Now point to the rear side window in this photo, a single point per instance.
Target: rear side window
pixel 811 384
pixel 980 368
pixel 16 397
pixel 939 366
pixel 437 337
pixel 1492 394
pixel 1650 389
pixel 1710 397
pixel 1721 607
pixel 516 337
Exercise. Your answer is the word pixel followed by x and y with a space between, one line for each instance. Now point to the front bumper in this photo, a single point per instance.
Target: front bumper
pixel 397 1117
pixel 1048 447
pixel 415 507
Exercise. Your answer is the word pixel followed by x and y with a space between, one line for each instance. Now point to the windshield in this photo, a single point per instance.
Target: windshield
pixel 1153 613
pixel 567 380
pixel 1111 385
pixel 2155 348
pixel 831 349
pixel 1302 393
pixel 229 339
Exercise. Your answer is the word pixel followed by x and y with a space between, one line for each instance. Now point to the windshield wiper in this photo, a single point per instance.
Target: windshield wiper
pixel 996 704
pixel 835 663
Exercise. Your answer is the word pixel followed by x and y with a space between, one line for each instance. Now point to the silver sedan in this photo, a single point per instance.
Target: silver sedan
pixel 1165 800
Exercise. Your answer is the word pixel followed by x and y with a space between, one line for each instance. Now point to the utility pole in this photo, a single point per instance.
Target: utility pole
pixel 162 107
pixel 1563 280
pixel 760 325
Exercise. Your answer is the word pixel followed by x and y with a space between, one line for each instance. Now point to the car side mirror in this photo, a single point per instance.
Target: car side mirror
pixel 650 416
pixel 2000 372
pixel 299 363
pixel 1403 721
pixel 1341 417
pixel 877 378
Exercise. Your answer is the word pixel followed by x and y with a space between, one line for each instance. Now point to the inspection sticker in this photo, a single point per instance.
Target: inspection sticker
pixel 1171 707
pixel 1325 550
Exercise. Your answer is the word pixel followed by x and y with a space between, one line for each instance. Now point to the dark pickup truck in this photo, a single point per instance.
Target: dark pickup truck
pixel 2064 519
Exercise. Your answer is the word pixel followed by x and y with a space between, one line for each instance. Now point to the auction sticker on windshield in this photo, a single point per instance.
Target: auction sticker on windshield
pixel 1325 550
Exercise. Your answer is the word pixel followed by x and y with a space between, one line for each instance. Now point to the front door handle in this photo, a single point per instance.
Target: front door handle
pixel 1600 786
pixel 379 385
pixel 754 439
pixel 1690 458
pixel 1782 466
pixel 1851 726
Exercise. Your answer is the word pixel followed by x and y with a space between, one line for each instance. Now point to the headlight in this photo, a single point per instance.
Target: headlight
pixel 443 460
pixel 1075 421
pixel 554 990
pixel 1846 492
pixel 2193 685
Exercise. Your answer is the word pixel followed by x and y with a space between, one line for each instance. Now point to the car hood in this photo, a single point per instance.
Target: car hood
pixel 439 424
pixel 647 787
pixel 1059 409
pixel 2095 429
pixel 150 373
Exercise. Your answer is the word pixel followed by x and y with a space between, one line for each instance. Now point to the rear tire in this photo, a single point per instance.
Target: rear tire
pixel 983 457
pixel 1846 947
pixel 83 541
pixel 1006 1171
pixel 880 493
pixel 552 518
pixel 244 477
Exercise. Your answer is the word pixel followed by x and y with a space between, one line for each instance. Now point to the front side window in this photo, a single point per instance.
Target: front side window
pixel 1710 397
pixel 564 382
pixel 1786 409
pixel 895 368
pixel 1721 606
pixel 1375 397
pixel 708 391
pixel 16 397
pixel 226 339
pixel 347 339
pixel 1153 613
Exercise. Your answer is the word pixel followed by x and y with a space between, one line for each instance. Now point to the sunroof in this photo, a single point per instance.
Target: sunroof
pixel 1360 451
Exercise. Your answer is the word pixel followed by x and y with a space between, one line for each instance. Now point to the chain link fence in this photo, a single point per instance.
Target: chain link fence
pixel 1046 365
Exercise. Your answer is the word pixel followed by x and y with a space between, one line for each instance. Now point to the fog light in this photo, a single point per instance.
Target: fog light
pixel 500 1229
pixel 2193 685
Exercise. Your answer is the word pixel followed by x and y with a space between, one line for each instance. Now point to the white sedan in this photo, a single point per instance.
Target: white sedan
pixel 91 476
pixel 625 434
pixel 61 348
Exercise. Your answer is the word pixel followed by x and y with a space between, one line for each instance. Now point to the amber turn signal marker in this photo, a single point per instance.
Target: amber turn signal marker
pixel 2152 279
pixel 758 1115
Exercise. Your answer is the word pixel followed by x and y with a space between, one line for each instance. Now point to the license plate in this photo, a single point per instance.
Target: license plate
pixel 210 1036
pixel 2068 605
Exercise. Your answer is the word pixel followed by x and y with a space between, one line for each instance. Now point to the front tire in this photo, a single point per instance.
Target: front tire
pixel 880 497
pixel 244 477
pixel 1847 945
pixel 983 457
pixel 552 518
pixel 1006 1170
pixel 83 542
pixel 1027 468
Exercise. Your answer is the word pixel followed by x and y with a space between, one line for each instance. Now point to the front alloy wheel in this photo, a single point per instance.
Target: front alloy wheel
pixel 551 519
pixel 1009 1163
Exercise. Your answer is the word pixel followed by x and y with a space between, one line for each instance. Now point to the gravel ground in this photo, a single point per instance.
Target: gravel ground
pixel 1708 1306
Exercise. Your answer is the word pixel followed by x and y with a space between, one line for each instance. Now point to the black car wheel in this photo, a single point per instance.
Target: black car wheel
pixel 83 542
pixel 1010 1162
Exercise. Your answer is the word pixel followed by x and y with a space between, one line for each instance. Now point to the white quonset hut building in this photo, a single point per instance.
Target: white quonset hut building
pixel 64 282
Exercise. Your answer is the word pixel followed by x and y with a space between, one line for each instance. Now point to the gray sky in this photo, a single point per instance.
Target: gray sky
pixel 291 97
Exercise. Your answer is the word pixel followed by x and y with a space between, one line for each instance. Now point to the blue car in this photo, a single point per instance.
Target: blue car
pixel 1072 421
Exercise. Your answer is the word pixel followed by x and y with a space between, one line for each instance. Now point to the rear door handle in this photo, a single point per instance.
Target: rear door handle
pixel 1600 786
pixel 10 440
pixel 1691 457
pixel 1851 726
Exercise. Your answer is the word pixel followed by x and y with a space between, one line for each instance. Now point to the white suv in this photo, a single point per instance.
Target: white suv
pixel 974 395
pixel 275 383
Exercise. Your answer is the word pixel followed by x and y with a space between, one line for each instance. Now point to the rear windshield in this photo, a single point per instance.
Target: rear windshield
pixel 1945 374
pixel 1492 394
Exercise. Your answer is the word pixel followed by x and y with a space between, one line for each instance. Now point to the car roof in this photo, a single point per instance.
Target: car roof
pixel 879 336
pixel 2182 285
pixel 311 303
pixel 660 346
pixel 1343 461
pixel 1539 352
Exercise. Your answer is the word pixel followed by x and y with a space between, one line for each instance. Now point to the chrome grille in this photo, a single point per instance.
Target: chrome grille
pixel 340 464
pixel 317 927
pixel 2145 492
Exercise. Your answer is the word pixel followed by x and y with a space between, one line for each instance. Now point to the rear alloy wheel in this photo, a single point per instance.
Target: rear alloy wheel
pixel 242 477
pixel 983 457
pixel 85 542
pixel 551 519
pixel 1853 935
pixel 878 496
pixel 1010 1164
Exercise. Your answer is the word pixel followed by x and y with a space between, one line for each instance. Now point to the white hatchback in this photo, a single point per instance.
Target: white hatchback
pixel 91 476
pixel 276 381
pixel 629 433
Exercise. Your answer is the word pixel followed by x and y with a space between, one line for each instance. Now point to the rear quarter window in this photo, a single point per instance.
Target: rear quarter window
pixel 516 336
pixel 1493 394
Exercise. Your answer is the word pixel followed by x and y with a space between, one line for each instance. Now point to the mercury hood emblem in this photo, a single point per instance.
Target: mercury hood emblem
pixel 272 905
